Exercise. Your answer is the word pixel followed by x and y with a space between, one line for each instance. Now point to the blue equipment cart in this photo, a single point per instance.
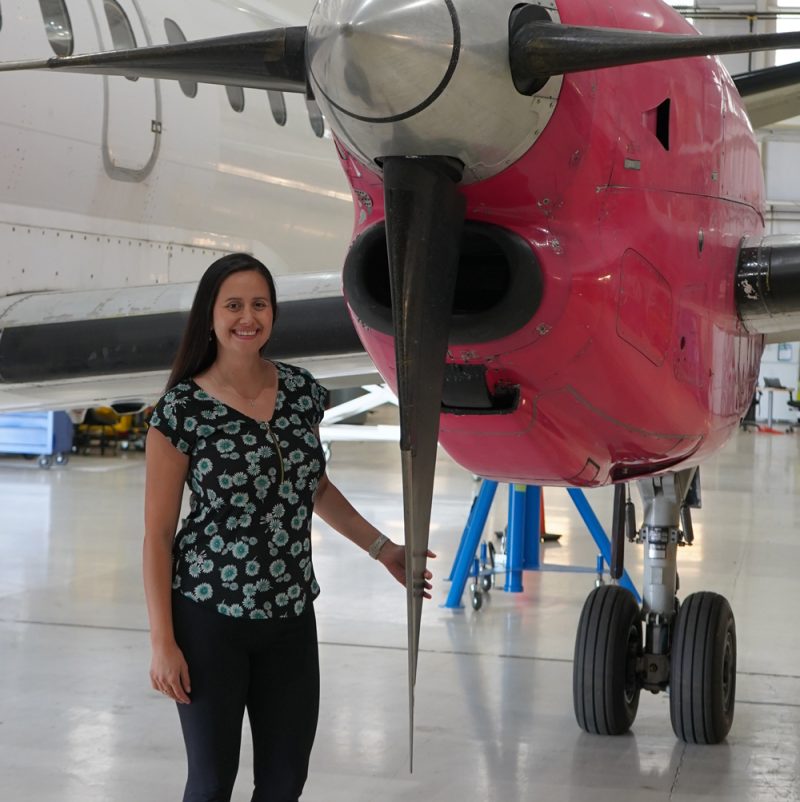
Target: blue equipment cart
pixel 47 435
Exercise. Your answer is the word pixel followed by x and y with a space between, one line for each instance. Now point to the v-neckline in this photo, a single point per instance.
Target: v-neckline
pixel 230 408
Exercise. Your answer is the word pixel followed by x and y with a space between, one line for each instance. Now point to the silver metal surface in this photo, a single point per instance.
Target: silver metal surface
pixel 425 77
pixel 662 497
pixel 660 570
pixel 380 59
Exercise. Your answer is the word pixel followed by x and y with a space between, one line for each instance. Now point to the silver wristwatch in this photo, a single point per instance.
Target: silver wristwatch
pixel 377 545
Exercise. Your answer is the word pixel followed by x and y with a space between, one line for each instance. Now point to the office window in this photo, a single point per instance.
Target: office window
pixel 57 26
pixel 785 24
pixel 175 37
pixel 235 97
pixel 277 105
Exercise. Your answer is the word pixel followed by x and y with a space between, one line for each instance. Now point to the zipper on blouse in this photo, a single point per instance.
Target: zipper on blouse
pixel 277 447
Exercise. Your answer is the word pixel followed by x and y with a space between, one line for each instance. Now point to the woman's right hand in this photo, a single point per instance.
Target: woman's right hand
pixel 169 673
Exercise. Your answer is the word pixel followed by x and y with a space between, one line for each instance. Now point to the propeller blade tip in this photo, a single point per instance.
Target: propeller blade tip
pixel 17 66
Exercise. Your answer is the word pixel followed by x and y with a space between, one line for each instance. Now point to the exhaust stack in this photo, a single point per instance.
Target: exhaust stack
pixel 768 286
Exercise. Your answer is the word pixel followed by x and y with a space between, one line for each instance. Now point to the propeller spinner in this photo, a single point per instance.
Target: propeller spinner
pixel 431 93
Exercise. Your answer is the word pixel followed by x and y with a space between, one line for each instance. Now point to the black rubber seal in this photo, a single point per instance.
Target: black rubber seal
pixel 498 269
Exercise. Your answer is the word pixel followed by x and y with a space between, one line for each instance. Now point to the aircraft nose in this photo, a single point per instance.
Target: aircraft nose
pixel 415 78
pixel 381 60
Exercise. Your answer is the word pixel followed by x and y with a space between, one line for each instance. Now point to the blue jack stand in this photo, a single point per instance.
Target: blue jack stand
pixel 523 540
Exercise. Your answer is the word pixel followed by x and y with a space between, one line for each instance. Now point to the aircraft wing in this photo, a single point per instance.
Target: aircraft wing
pixel 792 336
pixel 770 95
pixel 86 348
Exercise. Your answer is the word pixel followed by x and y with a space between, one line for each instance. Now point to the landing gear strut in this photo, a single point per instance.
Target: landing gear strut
pixel 688 649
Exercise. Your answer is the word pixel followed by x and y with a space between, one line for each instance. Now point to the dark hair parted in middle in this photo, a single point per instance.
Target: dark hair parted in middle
pixel 197 351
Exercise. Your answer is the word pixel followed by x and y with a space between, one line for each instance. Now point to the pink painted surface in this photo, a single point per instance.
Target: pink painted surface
pixel 635 361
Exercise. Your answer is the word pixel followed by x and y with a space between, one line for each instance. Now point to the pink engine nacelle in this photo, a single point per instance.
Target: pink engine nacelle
pixel 595 335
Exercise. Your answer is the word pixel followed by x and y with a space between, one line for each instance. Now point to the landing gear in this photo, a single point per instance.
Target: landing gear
pixel 703 669
pixel 608 650
pixel 688 648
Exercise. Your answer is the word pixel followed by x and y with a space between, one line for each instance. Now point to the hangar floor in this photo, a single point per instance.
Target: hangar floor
pixel 79 723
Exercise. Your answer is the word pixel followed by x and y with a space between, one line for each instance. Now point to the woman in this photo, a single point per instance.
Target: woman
pixel 230 595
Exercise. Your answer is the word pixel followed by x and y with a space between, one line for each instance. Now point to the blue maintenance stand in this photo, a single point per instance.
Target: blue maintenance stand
pixel 523 539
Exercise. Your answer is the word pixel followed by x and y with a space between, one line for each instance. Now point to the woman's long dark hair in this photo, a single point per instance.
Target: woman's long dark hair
pixel 197 350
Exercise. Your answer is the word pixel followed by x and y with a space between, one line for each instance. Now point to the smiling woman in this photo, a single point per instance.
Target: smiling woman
pixel 242 432
pixel 58 26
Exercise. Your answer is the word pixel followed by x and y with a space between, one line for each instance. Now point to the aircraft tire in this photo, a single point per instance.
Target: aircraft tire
pixel 703 669
pixel 605 683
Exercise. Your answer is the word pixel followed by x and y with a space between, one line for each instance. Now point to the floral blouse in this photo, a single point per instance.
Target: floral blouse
pixel 245 546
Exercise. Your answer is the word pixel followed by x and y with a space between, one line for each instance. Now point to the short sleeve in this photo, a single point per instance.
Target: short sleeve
pixel 319 401
pixel 172 418
pixel 308 395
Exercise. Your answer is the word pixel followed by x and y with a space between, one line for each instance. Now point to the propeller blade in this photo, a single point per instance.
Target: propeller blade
pixel 540 49
pixel 424 217
pixel 273 59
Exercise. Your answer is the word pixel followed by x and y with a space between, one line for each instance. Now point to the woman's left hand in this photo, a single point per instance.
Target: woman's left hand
pixel 393 557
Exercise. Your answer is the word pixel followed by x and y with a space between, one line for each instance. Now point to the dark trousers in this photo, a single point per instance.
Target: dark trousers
pixel 271 669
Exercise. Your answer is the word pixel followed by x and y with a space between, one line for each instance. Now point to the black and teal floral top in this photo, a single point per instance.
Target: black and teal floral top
pixel 245 546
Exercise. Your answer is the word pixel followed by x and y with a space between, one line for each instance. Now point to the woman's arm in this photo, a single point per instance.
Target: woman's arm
pixel 339 513
pixel 166 473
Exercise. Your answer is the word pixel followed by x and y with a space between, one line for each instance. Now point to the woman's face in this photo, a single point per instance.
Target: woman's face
pixel 242 315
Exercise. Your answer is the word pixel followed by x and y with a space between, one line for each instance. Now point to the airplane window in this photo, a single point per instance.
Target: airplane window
pixel 315 118
pixel 175 36
pixel 57 26
pixel 236 97
pixel 278 106
pixel 121 32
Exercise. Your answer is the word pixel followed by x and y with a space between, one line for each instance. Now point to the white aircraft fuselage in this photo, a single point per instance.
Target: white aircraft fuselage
pixel 116 194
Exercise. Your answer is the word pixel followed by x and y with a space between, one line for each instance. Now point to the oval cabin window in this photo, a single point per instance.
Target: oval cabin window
pixel 175 36
pixel 57 26
pixel 122 36
pixel 315 118
pixel 235 97
pixel 277 106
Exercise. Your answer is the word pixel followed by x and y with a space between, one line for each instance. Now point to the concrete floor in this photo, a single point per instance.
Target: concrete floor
pixel 79 722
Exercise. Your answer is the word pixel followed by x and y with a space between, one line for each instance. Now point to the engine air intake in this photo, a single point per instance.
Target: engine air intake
pixel 498 290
